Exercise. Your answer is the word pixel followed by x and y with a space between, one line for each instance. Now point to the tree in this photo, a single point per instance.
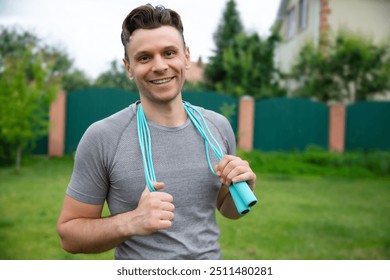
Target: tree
pixel 349 68
pixel 27 90
pixel 75 79
pixel 313 71
pixel 72 78
pixel 249 68
pixel 115 77
pixel 228 28
pixel 14 40
pixel 243 63
pixel 31 74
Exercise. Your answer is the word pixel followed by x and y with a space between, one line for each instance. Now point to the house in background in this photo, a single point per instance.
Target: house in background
pixel 196 72
pixel 307 20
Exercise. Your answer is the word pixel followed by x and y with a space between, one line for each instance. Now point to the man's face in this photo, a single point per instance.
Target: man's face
pixel 157 63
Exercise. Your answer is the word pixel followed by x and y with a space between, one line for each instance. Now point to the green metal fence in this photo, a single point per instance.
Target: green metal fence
pixel 280 123
pixel 290 124
pixel 368 126
pixel 86 106
pixel 225 105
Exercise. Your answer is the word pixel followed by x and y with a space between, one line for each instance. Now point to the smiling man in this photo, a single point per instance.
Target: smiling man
pixel 177 221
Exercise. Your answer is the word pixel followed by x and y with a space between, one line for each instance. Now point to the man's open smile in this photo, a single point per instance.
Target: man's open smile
pixel 161 81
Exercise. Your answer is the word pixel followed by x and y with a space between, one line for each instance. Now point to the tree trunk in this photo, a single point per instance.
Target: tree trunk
pixel 18 157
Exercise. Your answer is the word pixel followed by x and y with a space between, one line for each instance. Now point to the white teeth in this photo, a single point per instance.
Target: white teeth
pixel 161 81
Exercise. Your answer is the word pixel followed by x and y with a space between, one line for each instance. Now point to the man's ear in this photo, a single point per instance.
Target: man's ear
pixel 128 69
pixel 188 58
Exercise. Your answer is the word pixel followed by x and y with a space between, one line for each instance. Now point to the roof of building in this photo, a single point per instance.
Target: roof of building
pixel 195 73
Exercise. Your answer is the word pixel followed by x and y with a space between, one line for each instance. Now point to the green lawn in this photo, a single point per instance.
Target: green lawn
pixel 297 217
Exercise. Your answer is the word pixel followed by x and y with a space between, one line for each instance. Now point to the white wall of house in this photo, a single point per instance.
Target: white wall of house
pixel 295 37
pixel 368 17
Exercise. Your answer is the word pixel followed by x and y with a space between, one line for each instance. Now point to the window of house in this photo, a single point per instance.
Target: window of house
pixel 303 14
pixel 290 23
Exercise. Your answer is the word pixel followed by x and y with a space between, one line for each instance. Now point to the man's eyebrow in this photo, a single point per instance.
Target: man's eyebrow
pixel 171 47
pixel 146 52
pixel 141 53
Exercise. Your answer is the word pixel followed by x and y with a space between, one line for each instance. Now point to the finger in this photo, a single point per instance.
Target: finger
pixel 220 166
pixel 247 176
pixel 222 163
pixel 237 174
pixel 160 195
pixel 158 185
pixel 164 224
pixel 167 215
pixel 145 193
pixel 167 206
pixel 163 196
pixel 233 168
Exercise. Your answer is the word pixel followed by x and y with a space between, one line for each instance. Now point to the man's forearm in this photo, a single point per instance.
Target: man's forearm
pixel 92 235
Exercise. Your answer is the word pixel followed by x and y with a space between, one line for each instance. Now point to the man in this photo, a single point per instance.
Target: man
pixel 178 220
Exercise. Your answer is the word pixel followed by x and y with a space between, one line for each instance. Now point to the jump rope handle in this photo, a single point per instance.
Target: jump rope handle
pixel 243 197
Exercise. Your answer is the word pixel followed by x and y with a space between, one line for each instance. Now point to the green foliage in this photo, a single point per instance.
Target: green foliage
pixel 243 63
pixel 250 68
pixel 14 40
pixel 72 78
pixel 316 161
pixel 194 86
pixel 349 68
pixel 116 77
pixel 75 79
pixel 228 111
pixel 28 85
pixel 229 26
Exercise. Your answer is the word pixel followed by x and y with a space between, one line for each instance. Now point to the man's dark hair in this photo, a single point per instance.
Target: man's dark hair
pixel 149 17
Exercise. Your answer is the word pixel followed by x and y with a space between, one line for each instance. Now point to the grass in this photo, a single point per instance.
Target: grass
pixel 30 202
pixel 313 218
pixel 297 217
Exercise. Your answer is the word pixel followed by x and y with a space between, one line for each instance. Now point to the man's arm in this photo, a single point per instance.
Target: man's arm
pixel 232 169
pixel 83 230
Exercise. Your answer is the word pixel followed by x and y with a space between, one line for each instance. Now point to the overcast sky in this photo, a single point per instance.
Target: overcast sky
pixel 89 30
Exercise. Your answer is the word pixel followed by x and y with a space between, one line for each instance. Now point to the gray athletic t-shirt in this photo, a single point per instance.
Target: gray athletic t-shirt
pixel 108 166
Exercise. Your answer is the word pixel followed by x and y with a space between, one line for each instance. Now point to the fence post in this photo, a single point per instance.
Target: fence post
pixel 57 126
pixel 337 120
pixel 246 123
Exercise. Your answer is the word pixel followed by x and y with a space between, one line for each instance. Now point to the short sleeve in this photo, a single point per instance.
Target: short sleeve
pixel 89 182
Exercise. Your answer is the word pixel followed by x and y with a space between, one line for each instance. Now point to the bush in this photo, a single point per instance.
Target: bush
pixel 316 161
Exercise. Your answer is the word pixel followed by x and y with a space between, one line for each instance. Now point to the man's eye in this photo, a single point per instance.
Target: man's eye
pixel 143 58
pixel 169 53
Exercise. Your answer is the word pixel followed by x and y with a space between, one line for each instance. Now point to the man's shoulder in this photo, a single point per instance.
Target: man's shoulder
pixel 213 117
pixel 112 124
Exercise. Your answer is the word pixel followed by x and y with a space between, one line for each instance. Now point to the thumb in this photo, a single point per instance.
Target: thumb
pixel 157 185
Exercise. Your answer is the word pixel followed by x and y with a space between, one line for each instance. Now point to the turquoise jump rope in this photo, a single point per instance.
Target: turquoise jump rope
pixel 242 195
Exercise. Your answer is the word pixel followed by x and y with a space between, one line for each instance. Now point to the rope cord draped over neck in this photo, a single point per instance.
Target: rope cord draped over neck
pixel 241 193
pixel 145 143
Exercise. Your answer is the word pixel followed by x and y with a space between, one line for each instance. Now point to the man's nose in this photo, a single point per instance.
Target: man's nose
pixel 159 64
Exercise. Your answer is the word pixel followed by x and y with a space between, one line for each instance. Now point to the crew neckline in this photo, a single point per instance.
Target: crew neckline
pixel 158 126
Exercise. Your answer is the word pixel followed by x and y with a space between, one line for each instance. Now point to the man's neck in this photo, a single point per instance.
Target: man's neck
pixel 167 114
